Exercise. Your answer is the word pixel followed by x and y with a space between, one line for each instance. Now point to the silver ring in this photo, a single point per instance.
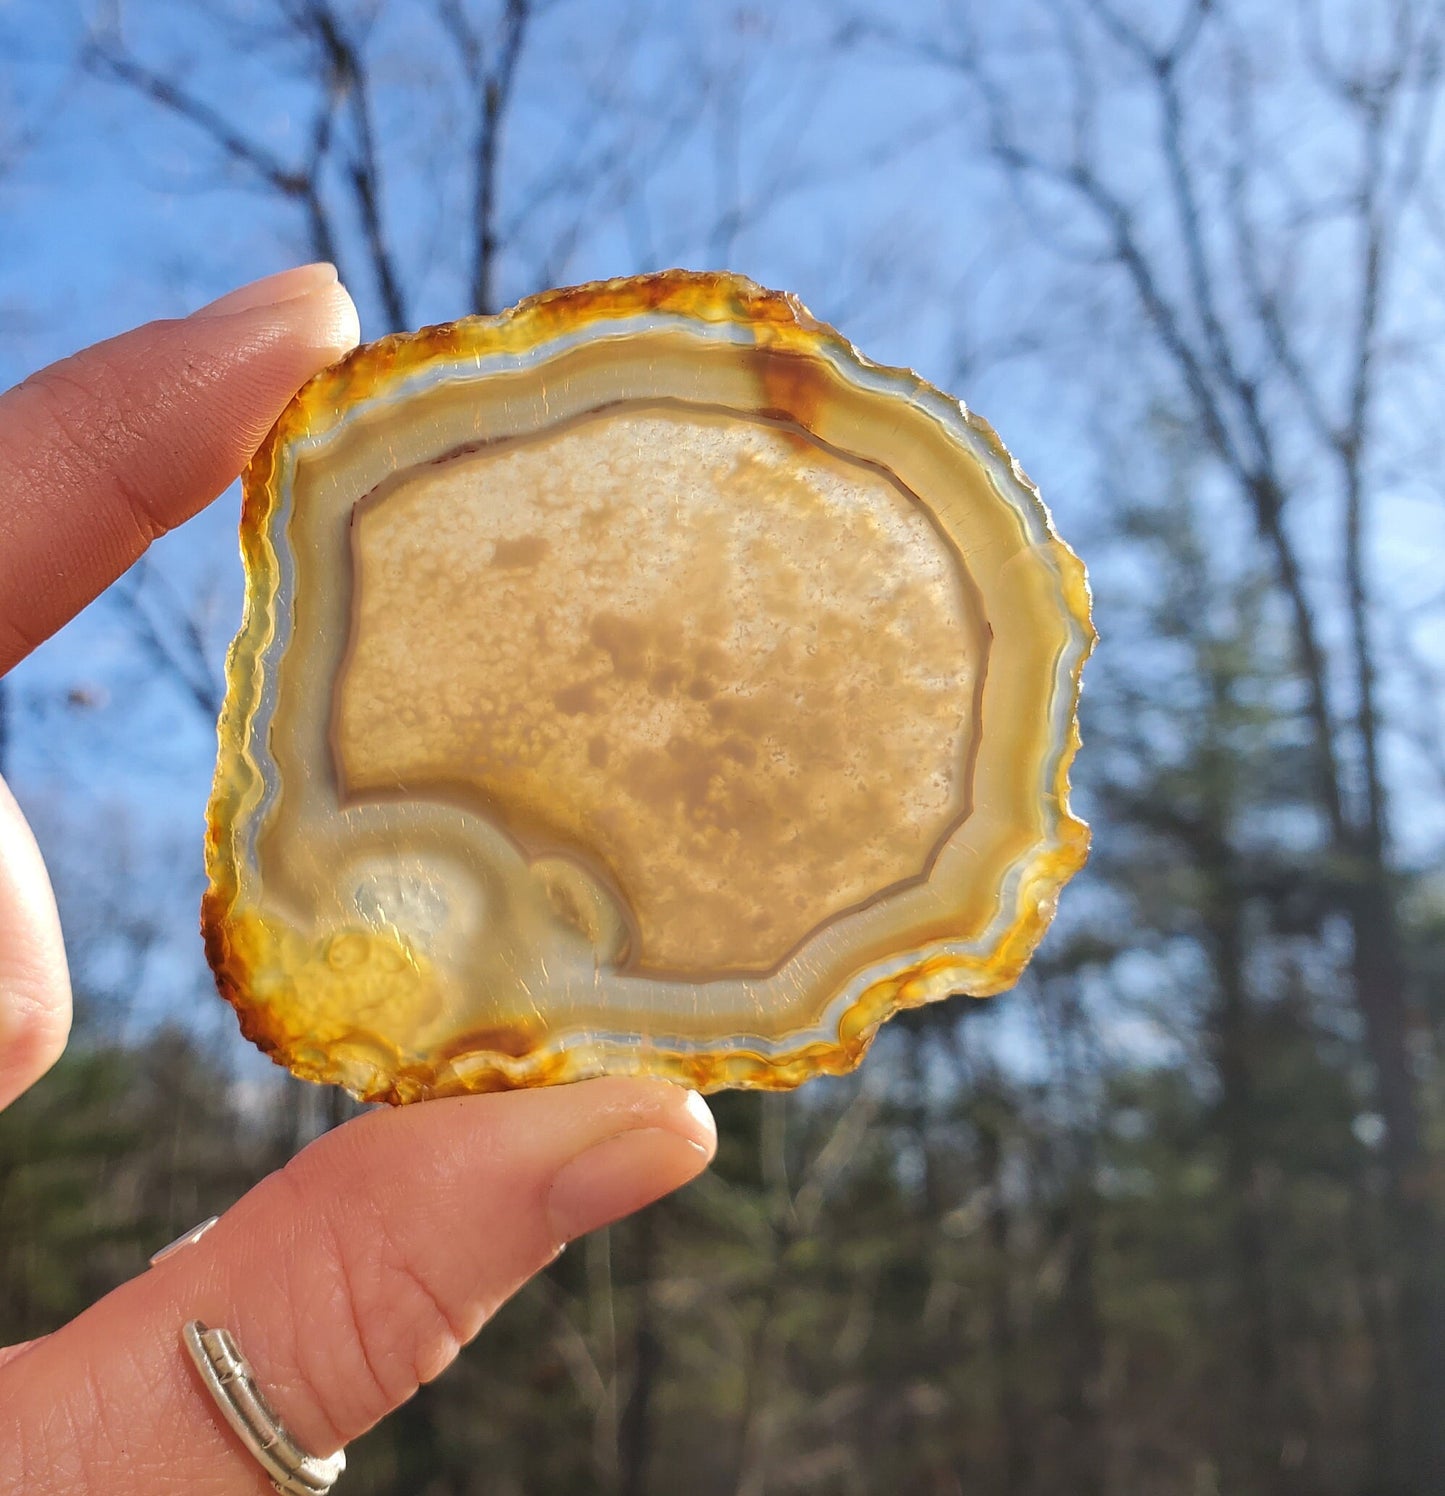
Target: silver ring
pixel 231 1382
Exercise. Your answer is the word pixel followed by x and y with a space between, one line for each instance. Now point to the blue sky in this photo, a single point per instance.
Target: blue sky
pixel 863 187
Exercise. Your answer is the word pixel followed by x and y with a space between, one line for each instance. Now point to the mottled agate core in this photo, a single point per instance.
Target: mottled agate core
pixel 640 681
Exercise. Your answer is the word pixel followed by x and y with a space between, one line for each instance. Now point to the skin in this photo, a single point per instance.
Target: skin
pixel 358 1270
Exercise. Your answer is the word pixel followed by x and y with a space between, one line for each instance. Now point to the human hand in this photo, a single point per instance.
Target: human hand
pixel 356 1272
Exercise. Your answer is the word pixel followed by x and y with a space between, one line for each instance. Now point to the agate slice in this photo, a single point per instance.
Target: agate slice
pixel 640 681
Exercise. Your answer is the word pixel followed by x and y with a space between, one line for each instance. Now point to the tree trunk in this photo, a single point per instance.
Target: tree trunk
pixel 634 1425
pixel 1418 1466
pixel 1084 1353
pixel 1255 1390
pixel 1011 1415
pixel 1081 1408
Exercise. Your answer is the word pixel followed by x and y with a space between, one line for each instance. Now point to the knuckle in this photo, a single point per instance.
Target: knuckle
pixel 382 1328
pixel 333 1379
pixel 84 434
pixel 68 413
pixel 401 1316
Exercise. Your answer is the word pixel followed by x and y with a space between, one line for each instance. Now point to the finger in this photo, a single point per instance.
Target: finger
pixel 98 455
pixel 107 450
pixel 348 1278
pixel 34 980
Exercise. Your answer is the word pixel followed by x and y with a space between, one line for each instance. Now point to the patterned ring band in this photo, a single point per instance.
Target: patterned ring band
pixel 231 1382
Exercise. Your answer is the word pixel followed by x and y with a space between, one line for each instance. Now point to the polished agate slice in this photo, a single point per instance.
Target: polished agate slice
pixel 640 681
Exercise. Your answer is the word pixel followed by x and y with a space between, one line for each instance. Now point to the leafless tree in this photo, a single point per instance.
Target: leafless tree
pixel 336 178
pixel 1277 292
pixel 355 183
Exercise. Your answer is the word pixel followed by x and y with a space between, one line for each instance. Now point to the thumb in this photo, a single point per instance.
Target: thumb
pixel 348 1278
pixel 34 980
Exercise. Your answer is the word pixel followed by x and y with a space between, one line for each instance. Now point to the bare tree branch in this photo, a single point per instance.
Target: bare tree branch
pixel 491 80
pixel 1210 375
pixel 349 77
pixel 170 636
pixel 300 184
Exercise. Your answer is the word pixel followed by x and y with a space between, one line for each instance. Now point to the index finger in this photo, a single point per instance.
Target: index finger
pixel 107 450
pixel 99 455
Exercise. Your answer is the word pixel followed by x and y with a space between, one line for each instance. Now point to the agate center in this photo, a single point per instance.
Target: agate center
pixel 728 670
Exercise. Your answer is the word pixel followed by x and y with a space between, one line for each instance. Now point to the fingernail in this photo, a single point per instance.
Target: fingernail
pixel 616 1177
pixel 326 319
pixel 285 285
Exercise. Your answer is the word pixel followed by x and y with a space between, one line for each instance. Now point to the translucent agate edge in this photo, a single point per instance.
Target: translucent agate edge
pixel 247 947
